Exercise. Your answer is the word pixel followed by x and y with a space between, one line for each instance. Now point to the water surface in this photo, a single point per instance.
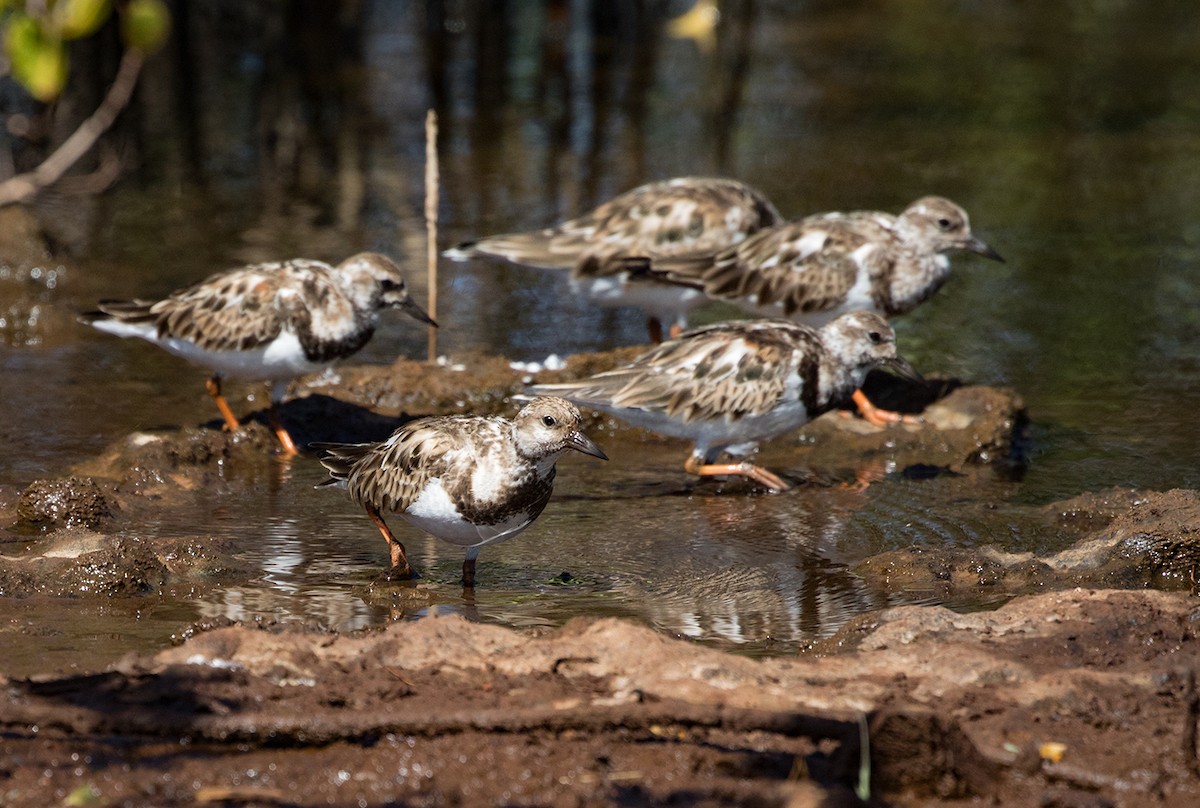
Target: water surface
pixel 1069 131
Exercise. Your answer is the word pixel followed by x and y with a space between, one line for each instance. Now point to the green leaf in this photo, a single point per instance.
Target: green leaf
pixel 39 62
pixel 21 35
pixel 83 797
pixel 80 18
pixel 145 24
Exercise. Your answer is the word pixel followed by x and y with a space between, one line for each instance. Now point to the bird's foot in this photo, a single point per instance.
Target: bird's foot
pixel 769 480
pixel 879 416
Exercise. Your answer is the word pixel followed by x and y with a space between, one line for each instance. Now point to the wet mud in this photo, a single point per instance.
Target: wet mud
pixel 1073 693
pixel 1081 697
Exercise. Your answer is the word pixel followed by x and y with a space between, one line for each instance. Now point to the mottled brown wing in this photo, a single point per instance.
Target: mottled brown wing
pixel 392 474
pixel 674 217
pixel 705 372
pixel 805 266
pixel 241 309
pixel 690 216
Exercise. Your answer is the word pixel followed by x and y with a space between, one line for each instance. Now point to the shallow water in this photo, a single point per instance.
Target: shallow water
pixel 1068 131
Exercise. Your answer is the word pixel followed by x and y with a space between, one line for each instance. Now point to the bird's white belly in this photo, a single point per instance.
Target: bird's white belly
pixel 435 513
pixel 666 302
pixel 280 359
pixel 720 432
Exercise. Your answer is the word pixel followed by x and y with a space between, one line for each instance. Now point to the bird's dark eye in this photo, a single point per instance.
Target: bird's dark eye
pixel 944 223
pixel 875 337
pixel 548 420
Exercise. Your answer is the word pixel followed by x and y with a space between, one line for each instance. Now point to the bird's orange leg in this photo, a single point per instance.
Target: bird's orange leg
pixel 744 469
pixel 880 417
pixel 400 564
pixel 675 330
pixel 655 330
pixel 468 579
pixel 285 439
pixel 213 386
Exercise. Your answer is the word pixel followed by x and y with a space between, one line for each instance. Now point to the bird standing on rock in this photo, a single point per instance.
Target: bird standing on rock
pixel 728 386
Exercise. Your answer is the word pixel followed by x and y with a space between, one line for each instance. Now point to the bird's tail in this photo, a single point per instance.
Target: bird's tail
pixel 464 251
pixel 126 311
pixel 339 459
pixel 542 249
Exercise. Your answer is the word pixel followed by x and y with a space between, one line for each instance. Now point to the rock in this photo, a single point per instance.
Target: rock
pixel 1154 540
pixel 186 458
pixel 961 425
pixel 70 502
pixel 1093 510
pixel 1125 538
pixel 969 426
pixel 77 562
pixel 82 563
pixel 478 384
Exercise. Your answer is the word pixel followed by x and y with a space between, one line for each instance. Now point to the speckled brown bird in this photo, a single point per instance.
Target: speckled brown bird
pixel 682 216
pixel 728 386
pixel 822 266
pixel 468 480
pixel 267 322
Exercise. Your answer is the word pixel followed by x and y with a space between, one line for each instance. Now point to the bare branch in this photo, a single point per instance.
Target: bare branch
pixel 23 186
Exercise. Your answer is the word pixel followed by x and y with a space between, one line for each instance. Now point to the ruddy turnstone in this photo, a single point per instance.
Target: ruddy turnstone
pixel 468 480
pixel 697 216
pixel 819 267
pixel 727 386
pixel 267 322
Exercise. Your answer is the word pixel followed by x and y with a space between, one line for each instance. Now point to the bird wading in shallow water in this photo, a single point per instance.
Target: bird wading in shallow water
pixel 822 266
pixel 694 216
pixel 728 386
pixel 467 480
pixel 267 322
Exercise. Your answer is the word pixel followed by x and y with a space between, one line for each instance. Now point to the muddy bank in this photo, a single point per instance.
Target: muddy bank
pixel 1123 538
pixel 1072 698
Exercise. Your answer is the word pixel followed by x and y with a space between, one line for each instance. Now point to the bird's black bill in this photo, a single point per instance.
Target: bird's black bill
pixel 582 443
pixel 902 368
pixel 980 247
pixel 416 312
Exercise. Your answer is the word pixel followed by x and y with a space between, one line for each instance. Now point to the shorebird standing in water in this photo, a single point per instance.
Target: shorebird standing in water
pixel 467 480
pixel 267 322
pixel 693 216
pixel 726 387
